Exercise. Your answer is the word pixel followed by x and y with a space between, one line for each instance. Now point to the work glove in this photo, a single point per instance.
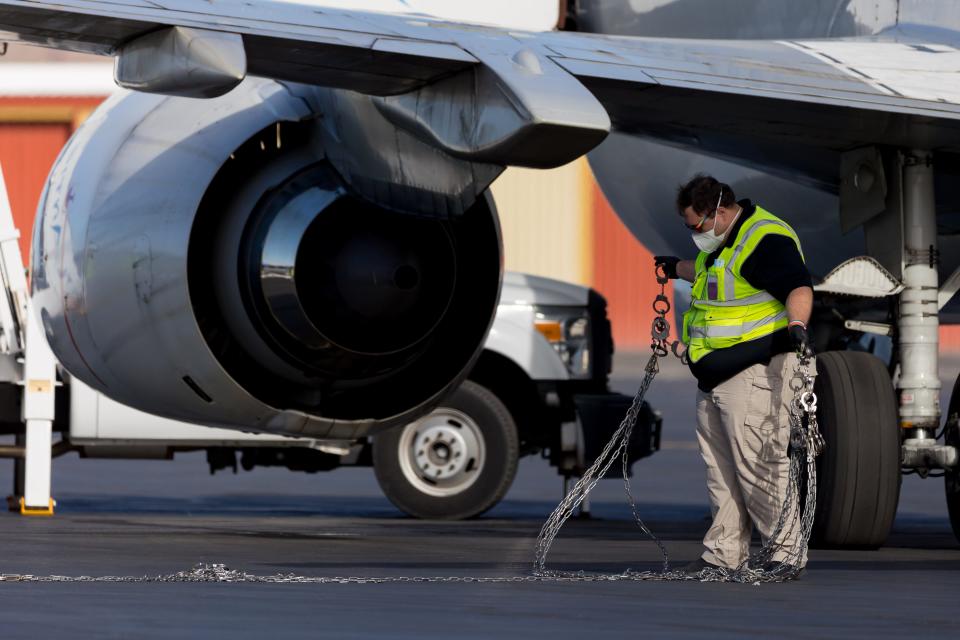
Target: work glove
pixel 669 265
pixel 800 339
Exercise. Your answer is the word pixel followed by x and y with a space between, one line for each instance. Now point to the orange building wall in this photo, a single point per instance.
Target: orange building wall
pixel 623 273
pixel 32 133
pixel 950 338
pixel 27 152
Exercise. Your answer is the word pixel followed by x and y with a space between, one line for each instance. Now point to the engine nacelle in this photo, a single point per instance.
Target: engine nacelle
pixel 211 261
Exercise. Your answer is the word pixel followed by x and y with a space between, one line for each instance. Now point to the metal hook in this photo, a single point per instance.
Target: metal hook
pixel 808 400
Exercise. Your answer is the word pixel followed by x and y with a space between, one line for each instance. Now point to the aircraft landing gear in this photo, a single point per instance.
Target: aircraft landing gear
pixel 872 434
pixel 919 384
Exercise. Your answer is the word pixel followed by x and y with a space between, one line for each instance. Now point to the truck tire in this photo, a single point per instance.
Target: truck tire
pixel 454 463
pixel 858 473
pixel 951 477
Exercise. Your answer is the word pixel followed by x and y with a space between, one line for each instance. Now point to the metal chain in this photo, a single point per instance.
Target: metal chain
pixel 774 562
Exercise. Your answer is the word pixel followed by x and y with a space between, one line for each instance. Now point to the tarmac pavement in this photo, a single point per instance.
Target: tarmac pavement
pixel 159 517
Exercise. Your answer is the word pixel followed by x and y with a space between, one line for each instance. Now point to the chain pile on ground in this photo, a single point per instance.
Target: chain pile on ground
pixel 773 562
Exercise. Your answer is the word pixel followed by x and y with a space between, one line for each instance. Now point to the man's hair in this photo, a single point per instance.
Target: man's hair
pixel 701 193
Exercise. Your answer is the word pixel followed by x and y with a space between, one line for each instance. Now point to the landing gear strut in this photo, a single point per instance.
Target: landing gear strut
pixel 919 323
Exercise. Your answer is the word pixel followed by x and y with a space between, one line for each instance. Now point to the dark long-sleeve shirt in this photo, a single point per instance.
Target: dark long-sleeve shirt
pixel 775 266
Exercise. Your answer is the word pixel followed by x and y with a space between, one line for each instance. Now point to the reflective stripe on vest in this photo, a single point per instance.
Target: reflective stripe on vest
pixel 725 308
pixel 763 296
pixel 730 331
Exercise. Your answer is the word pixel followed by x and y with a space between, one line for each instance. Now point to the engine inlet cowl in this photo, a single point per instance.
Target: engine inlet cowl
pixel 204 261
pixel 317 300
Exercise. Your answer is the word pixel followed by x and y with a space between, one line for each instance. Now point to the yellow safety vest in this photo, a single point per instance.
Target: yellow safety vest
pixel 725 309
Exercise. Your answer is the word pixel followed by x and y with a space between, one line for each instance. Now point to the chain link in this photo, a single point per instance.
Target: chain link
pixel 773 562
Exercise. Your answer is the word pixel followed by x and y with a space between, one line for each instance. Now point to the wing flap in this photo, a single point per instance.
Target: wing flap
pixel 362 52
pixel 377 69
pixel 73 32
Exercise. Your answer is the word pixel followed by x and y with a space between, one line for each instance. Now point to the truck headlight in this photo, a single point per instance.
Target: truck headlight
pixel 567 329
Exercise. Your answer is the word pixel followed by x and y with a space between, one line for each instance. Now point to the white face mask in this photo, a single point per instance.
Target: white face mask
pixel 709 241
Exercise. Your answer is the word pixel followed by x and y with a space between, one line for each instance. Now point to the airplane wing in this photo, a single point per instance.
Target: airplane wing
pixel 367 52
pixel 835 94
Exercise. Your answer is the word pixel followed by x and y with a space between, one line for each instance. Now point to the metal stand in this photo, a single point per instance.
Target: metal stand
pixel 13 500
pixel 22 341
pixel 40 372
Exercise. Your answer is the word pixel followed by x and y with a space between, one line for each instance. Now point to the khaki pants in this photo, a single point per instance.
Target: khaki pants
pixel 743 429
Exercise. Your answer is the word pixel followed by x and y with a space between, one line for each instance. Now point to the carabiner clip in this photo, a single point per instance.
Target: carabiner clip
pixel 808 400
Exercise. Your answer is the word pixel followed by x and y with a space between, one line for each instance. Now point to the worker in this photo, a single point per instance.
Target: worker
pixel 750 304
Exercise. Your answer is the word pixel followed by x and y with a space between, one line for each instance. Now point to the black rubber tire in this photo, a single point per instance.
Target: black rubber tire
pixel 502 447
pixel 951 477
pixel 858 473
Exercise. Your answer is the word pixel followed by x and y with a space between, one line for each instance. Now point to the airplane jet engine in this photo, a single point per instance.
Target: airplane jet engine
pixel 277 259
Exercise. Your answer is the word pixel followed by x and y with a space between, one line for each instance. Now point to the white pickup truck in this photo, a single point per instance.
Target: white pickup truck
pixel 539 386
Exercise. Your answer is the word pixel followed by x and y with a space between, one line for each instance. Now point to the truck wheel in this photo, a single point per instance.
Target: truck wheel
pixel 454 463
pixel 951 477
pixel 858 473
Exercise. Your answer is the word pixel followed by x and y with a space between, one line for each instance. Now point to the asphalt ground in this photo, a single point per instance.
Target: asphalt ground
pixel 159 517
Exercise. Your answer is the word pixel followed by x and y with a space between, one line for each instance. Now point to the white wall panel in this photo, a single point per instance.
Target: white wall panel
pixel 546 221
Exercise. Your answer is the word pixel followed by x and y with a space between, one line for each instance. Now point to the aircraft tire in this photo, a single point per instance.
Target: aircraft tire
pixel 858 473
pixel 454 463
pixel 951 477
